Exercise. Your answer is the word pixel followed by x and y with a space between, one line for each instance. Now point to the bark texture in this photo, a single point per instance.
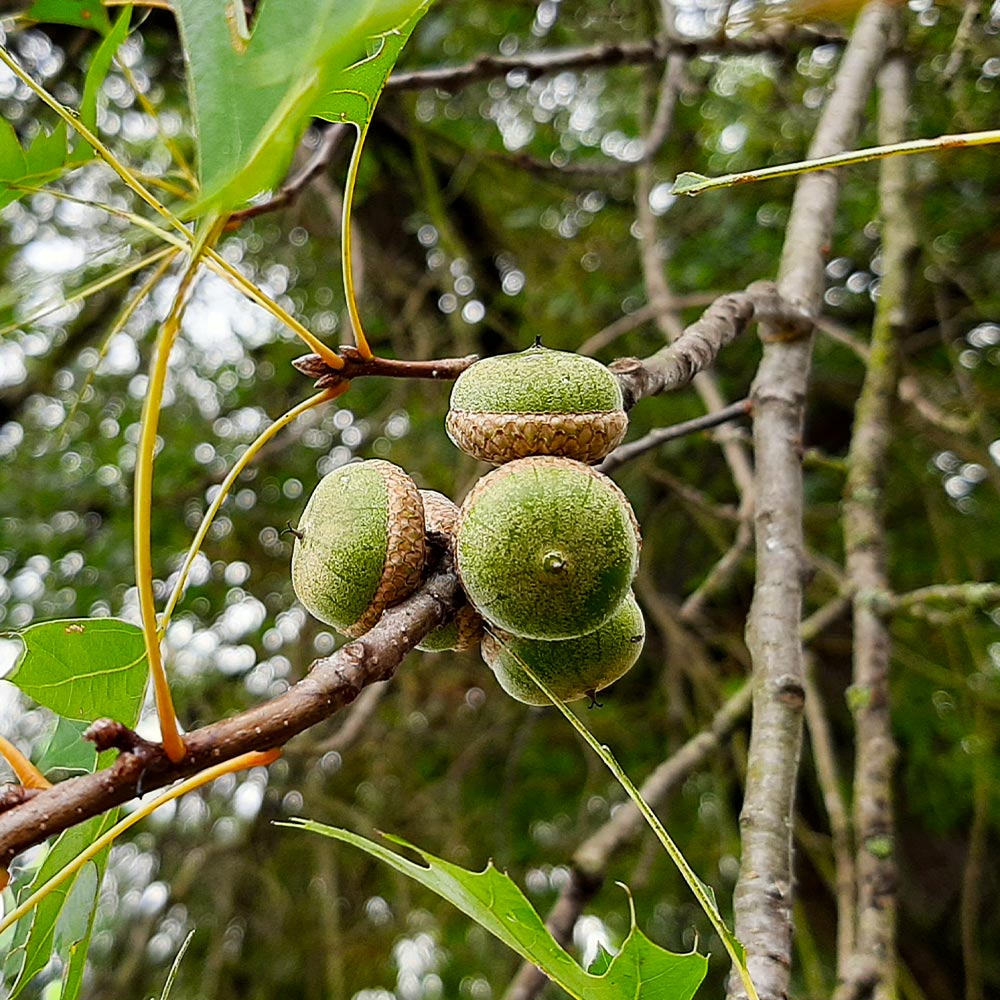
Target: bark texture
pixel 871 968
pixel 763 895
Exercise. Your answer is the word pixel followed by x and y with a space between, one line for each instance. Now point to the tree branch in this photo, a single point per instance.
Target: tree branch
pixel 608 55
pixel 332 683
pixel 874 958
pixel 626 452
pixel 763 895
pixel 698 346
pixel 825 761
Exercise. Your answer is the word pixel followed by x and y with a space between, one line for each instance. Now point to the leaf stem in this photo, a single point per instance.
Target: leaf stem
pixel 222 267
pixel 698 888
pixel 223 491
pixel 687 184
pixel 27 773
pixel 173 744
pixel 346 255
pixel 102 151
pixel 241 763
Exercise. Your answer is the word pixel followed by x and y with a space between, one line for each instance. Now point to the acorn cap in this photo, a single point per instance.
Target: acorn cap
pixel 440 513
pixel 537 402
pixel 466 629
pixel 569 668
pixel 547 548
pixel 360 545
pixel 463 632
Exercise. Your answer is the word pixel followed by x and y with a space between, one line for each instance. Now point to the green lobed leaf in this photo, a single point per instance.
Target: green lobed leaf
pixel 81 13
pixel 67 750
pixel 84 668
pixel 356 90
pixel 688 183
pixel 63 921
pixel 253 92
pixel 641 970
pixel 48 154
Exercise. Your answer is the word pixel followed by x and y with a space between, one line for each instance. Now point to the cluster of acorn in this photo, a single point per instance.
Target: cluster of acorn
pixel 545 546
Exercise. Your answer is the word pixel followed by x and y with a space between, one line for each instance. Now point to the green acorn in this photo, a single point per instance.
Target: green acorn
pixel 547 548
pixel 537 402
pixel 570 668
pixel 359 546
pixel 466 629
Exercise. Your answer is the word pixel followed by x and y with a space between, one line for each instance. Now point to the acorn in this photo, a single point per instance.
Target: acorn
pixel 570 668
pixel 537 402
pixel 359 546
pixel 466 628
pixel 547 548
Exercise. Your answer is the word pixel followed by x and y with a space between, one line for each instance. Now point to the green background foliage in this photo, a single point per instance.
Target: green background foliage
pixel 502 210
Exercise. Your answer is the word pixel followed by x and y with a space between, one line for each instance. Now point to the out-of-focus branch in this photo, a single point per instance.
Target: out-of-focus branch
pixel 763 895
pixel 630 321
pixel 871 969
pixel 608 55
pixel 825 761
pixel 919 602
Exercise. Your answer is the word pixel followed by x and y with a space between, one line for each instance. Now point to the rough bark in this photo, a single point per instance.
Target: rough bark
pixel 871 969
pixel 763 895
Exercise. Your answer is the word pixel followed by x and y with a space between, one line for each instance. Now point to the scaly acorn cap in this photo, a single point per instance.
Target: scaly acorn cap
pixel 466 629
pixel 359 546
pixel 547 548
pixel 569 668
pixel 537 402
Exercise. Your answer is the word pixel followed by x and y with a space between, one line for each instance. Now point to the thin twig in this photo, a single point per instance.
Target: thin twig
pixel 630 321
pixel 720 574
pixel 355 366
pixel 915 602
pixel 532 65
pixel 825 761
pixel 626 452
pixel 331 138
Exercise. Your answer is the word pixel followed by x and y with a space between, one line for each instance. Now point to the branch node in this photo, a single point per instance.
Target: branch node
pixel 107 734
pixel 14 795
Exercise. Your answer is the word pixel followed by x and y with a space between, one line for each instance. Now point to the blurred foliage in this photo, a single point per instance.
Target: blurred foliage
pixel 478 230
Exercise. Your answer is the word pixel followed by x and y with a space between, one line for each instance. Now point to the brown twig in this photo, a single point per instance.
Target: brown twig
pixel 332 683
pixel 608 55
pixel 356 366
pixel 763 895
pixel 698 346
pixel 626 452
